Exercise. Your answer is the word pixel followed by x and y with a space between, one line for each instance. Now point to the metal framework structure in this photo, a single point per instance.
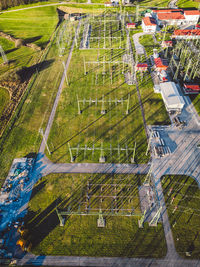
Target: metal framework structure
pixel 3 55
pixel 102 150
pixel 103 101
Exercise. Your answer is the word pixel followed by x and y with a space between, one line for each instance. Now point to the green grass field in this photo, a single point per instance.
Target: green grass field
pixel 187 3
pixel 32 25
pixel 196 102
pixel 182 196
pixel 80 234
pixel 24 137
pixel 148 42
pixel 4 99
pixel 154 107
pixel 112 130
pixel 18 57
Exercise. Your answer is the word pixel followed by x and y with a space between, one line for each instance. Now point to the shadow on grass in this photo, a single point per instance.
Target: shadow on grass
pixel 26 72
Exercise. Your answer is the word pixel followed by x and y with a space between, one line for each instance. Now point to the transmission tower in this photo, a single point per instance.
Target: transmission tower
pixel 4 57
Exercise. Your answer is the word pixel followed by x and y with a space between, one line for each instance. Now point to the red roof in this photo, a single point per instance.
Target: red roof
pixel 167 10
pixel 148 21
pixel 169 16
pixel 168 42
pixel 193 87
pixel 186 32
pixel 159 63
pixel 142 65
pixel 197 26
pixel 191 12
pixel 130 24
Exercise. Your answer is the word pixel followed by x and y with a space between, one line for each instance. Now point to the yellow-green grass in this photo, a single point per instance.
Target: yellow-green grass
pixel 91 127
pixel 17 57
pixel 182 195
pixel 196 102
pixel 154 107
pixel 148 42
pixel 80 235
pixel 4 99
pixel 187 3
pixel 32 25
pixel 24 137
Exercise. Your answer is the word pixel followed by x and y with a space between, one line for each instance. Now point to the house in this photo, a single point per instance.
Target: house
pixel 167 44
pixel 130 25
pixel 186 34
pixel 192 16
pixel 175 16
pixel 171 18
pixel 108 4
pixel 149 24
pixel 160 64
pixel 141 67
pixel 171 97
pixel 191 88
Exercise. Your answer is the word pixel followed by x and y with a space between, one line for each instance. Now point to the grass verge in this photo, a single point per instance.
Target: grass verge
pixel 182 196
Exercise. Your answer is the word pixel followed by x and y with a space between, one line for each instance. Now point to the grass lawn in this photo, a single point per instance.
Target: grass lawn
pixel 24 137
pixel 18 57
pixel 80 234
pixel 32 25
pixel 154 107
pixel 4 99
pixel 196 102
pixel 182 193
pixel 187 3
pixel 148 42
pixel 112 130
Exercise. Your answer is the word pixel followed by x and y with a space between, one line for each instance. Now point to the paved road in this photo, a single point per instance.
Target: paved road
pixel 104 261
pixel 44 167
pixel 138 47
pixel 54 4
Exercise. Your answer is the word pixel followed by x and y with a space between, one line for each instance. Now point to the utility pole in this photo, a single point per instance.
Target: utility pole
pixel 65 72
pixel 133 157
pixel 4 57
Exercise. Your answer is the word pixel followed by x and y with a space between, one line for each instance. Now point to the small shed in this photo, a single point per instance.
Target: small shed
pixel 191 88
pixel 130 25
pixel 141 67
pixel 167 44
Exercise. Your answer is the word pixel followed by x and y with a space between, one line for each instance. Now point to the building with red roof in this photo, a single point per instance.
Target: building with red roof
pixel 170 10
pixel 186 34
pixel 160 64
pixel 197 26
pixel 141 67
pixel 167 44
pixel 149 24
pixel 130 25
pixel 192 16
pixel 173 18
pixel 191 88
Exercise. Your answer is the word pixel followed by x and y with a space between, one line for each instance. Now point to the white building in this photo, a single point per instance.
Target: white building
pixel 171 97
pixel 149 24
pixel 173 18
pixel 192 16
